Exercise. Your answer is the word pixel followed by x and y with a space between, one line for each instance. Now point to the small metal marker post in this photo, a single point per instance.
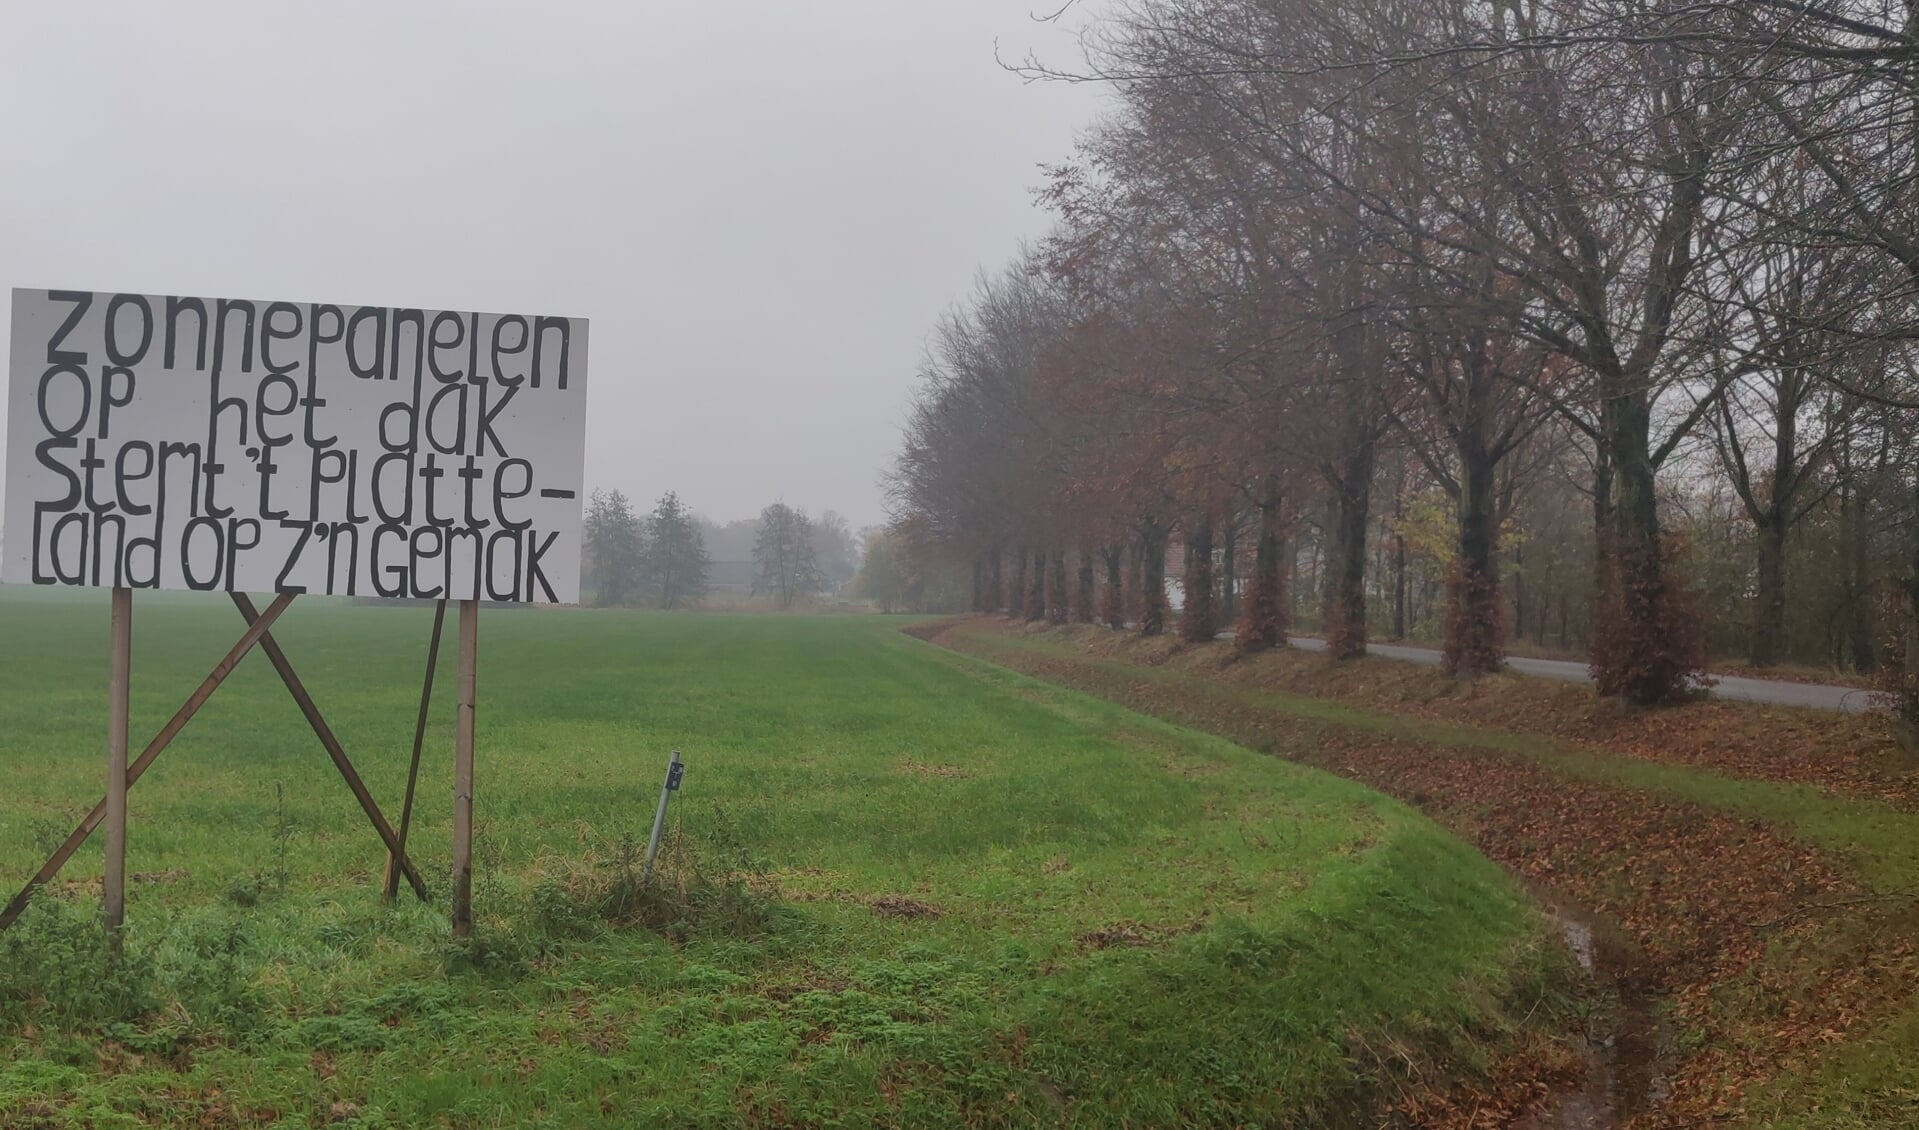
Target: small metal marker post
pixel 672 785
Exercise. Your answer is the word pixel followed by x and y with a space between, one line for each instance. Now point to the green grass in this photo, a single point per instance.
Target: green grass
pixel 1296 932
pixel 1869 1081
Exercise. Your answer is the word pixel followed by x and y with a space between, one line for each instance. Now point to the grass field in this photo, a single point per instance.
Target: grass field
pixel 935 893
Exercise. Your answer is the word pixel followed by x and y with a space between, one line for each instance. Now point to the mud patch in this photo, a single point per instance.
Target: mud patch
pixel 900 906
pixel 147 878
pixel 1129 933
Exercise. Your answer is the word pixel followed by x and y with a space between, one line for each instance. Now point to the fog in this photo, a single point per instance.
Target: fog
pixel 761 207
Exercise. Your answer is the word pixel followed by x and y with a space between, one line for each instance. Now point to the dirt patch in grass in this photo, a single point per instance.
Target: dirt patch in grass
pixel 1765 948
pixel 901 906
pixel 1127 932
pixel 147 878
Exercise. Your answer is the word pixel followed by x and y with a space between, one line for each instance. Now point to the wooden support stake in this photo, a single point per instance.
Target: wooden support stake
pixel 113 888
pixel 160 742
pixel 392 887
pixel 332 745
pixel 463 771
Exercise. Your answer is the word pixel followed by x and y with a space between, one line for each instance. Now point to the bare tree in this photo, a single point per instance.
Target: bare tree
pixel 783 550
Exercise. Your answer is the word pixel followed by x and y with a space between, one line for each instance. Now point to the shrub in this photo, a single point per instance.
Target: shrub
pixel 713 886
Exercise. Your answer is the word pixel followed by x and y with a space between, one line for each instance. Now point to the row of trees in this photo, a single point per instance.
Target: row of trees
pixel 658 560
pixel 1551 277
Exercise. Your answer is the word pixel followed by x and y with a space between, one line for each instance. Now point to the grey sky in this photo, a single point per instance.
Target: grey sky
pixel 762 206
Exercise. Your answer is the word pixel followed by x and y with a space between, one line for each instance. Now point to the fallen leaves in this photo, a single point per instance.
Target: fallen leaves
pixel 1745 931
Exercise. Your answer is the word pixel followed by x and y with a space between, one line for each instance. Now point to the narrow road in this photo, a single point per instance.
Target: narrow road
pixel 1815 696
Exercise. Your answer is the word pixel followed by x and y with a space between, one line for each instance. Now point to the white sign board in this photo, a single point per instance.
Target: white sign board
pixel 225 444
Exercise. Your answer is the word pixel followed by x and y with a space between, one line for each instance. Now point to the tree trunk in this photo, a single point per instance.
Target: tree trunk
pixel 1519 591
pixel 1344 605
pixel 1398 548
pixel 1152 578
pixel 1316 568
pixel 1602 582
pixel 1112 608
pixel 1474 612
pixel 1263 616
pixel 1646 640
pixel 1860 647
pixel 1856 536
pixel 1084 608
pixel 1058 609
pixel 1907 699
pixel 1197 623
pixel 1013 599
pixel 1399 585
pixel 1229 572
pixel 1036 588
pixel 1130 599
pixel 1294 589
pixel 1769 607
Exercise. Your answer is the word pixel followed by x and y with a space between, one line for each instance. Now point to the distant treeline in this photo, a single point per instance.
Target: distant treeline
pixel 672 558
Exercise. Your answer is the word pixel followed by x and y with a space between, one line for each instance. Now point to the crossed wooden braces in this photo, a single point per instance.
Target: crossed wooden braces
pixel 121 775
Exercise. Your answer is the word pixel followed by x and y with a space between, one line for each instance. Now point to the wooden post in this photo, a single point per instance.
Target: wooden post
pixel 160 741
pixel 119 667
pixel 463 771
pixel 392 887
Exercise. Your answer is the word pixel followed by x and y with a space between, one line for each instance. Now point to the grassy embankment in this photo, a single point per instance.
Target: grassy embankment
pixel 940 894
pixel 1759 864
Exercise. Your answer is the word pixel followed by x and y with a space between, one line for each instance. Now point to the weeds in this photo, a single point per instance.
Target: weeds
pixel 57 961
pixel 60 968
pixel 251 888
pixel 49 832
pixel 714 886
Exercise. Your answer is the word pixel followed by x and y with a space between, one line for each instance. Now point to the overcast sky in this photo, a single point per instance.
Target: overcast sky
pixel 761 205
